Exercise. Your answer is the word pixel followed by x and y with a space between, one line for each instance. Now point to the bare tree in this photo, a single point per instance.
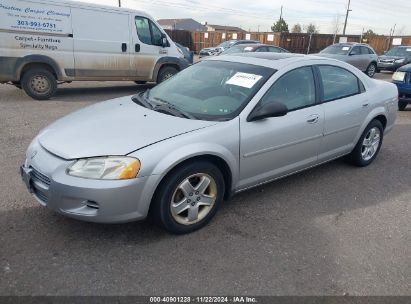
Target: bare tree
pixel 296 28
pixel 336 25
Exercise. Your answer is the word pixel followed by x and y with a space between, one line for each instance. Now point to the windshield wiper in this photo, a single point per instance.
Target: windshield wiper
pixel 172 109
pixel 141 100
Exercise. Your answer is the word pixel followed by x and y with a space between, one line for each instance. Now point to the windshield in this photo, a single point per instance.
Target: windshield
pixel 211 90
pixel 226 44
pixel 399 51
pixel 336 50
pixel 237 49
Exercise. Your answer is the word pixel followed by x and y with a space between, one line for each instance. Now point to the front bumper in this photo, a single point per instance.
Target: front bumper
pixel 102 201
pixel 386 66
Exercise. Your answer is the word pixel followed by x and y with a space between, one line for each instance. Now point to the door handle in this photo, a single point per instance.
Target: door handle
pixel 137 47
pixel 365 105
pixel 313 119
pixel 124 47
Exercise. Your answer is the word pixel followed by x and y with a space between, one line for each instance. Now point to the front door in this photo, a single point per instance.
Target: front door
pixel 278 146
pixel 147 47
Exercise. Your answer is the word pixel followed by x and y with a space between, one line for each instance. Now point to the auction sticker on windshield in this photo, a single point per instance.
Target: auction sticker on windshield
pixel 245 80
pixel 345 48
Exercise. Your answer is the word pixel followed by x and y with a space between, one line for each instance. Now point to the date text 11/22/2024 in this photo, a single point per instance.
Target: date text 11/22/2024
pixel 203 299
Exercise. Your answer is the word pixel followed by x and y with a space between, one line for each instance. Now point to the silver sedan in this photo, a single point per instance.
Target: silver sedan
pixel 222 126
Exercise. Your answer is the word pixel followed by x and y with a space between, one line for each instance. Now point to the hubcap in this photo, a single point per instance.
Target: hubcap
pixel 193 199
pixel 370 143
pixel 40 84
pixel 371 70
pixel 167 76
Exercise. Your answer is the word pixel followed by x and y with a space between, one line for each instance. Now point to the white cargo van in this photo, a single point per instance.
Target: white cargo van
pixel 45 42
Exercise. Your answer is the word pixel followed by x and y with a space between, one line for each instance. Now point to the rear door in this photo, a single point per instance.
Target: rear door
pixel 355 58
pixel 101 44
pixel 345 106
pixel 147 47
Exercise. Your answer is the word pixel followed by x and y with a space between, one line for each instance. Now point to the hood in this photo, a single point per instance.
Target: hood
pixel 114 127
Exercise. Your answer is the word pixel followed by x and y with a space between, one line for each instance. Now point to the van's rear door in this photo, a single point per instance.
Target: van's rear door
pixel 101 44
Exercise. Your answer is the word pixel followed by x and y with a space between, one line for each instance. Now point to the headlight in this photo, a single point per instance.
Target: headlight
pixel 398 76
pixel 110 168
pixel 399 60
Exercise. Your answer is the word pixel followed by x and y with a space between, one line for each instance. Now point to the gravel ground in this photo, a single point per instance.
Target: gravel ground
pixel 332 230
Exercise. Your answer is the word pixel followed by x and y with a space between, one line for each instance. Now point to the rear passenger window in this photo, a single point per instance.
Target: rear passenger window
pixel 296 89
pixel 274 49
pixel 338 82
pixel 262 49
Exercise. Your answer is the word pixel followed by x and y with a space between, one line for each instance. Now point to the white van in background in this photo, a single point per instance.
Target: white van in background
pixel 45 42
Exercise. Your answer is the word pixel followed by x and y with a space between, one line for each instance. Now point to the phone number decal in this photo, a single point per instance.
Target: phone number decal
pixel 36 24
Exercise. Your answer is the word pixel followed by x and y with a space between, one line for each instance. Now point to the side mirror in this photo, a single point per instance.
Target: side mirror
pixel 164 41
pixel 272 109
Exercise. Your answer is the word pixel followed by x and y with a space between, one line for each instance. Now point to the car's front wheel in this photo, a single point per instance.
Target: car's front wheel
pixel 368 145
pixel 188 198
pixel 371 70
pixel 39 83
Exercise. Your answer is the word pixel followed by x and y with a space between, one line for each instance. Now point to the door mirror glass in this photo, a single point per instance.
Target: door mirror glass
pixel 271 109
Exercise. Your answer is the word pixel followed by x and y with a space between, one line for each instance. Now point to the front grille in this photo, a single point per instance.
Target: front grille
pixel 37 176
pixel 40 195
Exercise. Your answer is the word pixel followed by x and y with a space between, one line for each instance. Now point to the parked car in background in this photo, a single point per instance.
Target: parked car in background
pixel 402 78
pixel 256 47
pixel 188 55
pixel 45 42
pixel 395 58
pixel 221 126
pixel 212 51
pixel 360 55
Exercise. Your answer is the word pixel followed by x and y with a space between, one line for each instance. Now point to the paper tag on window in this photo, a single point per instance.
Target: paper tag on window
pixel 345 48
pixel 248 48
pixel 408 50
pixel 244 80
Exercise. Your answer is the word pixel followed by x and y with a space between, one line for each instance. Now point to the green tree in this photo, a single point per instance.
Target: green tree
pixel 296 28
pixel 280 26
pixel 311 29
pixel 369 34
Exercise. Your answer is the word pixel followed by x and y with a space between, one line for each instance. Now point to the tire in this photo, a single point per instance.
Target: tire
pixel 166 73
pixel 39 83
pixel 402 105
pixel 365 152
pixel 371 70
pixel 140 82
pixel 183 211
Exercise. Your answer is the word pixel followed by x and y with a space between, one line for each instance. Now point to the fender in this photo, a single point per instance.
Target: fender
pixel 175 158
pixel 168 60
pixel 374 113
pixel 23 61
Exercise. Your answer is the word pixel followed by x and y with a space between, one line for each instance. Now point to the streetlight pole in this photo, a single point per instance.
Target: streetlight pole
pixel 119 3
pixel 346 16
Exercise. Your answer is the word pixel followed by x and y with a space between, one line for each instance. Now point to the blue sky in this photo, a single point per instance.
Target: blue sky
pixel 380 16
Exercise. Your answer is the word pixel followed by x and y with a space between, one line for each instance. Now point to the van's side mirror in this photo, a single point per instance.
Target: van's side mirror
pixel 271 109
pixel 164 41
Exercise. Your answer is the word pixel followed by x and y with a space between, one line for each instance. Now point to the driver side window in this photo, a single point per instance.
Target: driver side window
pixel 296 89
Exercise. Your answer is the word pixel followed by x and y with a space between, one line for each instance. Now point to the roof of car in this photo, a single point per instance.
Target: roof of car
pixel 271 60
pixel 255 45
pixel 351 44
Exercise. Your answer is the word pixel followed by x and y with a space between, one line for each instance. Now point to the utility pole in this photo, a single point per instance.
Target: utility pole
pixel 281 13
pixel 346 16
pixel 119 3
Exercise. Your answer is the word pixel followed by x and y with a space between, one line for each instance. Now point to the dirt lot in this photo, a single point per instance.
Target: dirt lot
pixel 331 230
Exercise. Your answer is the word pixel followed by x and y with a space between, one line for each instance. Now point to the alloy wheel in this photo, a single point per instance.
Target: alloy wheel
pixel 371 143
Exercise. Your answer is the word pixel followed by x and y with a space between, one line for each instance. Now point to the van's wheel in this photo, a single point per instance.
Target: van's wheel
pixel 166 73
pixel 189 198
pixel 371 70
pixel 368 145
pixel 402 105
pixel 39 83
pixel 140 82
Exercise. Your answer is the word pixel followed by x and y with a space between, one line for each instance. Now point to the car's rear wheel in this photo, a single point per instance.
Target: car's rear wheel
pixel 166 73
pixel 402 105
pixel 188 198
pixel 371 69
pixel 368 145
pixel 39 83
